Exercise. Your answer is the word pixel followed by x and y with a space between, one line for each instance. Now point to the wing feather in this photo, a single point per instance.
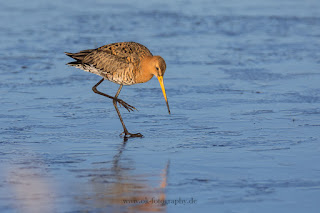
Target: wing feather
pixel 105 62
pixel 116 62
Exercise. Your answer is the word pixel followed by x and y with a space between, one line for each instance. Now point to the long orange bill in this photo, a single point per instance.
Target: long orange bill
pixel 160 78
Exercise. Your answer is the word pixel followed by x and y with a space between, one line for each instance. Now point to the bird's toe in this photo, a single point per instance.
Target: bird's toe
pixel 126 105
pixel 132 135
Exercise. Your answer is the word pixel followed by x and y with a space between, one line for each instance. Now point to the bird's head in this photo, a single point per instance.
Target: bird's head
pixel 159 66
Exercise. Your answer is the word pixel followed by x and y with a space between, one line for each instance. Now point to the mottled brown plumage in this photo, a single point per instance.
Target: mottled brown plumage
pixel 124 63
pixel 120 63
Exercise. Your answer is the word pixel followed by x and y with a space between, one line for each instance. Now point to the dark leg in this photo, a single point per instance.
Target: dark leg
pixel 125 131
pixel 121 102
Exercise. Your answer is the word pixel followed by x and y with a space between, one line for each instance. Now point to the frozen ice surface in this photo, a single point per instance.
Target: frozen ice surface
pixel 243 86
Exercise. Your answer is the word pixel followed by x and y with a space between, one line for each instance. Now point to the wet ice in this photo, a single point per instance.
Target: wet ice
pixel 242 82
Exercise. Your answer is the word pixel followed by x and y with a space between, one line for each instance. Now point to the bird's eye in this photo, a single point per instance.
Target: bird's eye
pixel 157 68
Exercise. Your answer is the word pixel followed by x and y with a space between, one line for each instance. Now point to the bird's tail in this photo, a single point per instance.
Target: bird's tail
pixel 74 63
pixel 80 55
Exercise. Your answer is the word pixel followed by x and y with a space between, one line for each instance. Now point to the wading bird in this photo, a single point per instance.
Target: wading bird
pixel 124 63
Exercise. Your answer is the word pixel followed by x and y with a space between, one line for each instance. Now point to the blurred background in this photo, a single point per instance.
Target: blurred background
pixel 242 82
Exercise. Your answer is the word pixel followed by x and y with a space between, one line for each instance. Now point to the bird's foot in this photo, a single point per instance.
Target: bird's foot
pixel 125 105
pixel 130 135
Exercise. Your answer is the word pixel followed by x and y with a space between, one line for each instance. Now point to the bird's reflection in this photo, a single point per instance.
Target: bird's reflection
pixel 125 191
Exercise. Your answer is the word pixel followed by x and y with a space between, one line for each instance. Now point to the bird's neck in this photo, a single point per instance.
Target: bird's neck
pixel 144 73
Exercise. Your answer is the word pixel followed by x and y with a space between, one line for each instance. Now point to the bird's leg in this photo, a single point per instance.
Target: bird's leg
pixel 125 131
pixel 121 102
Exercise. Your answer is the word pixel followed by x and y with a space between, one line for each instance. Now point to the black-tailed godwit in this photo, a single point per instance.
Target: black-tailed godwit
pixel 124 63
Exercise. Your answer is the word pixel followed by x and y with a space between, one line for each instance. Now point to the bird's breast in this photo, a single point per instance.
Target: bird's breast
pixel 142 77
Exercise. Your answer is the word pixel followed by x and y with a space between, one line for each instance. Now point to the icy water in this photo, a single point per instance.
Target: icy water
pixel 243 86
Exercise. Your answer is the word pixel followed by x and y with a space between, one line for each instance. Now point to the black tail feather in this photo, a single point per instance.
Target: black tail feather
pixel 80 55
pixel 74 63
